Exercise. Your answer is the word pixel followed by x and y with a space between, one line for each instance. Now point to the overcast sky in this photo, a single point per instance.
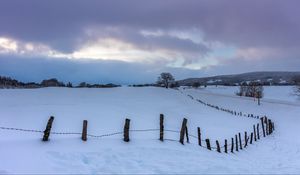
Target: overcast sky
pixel 132 41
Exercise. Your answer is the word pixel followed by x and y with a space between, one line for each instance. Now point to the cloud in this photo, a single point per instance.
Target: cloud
pixel 201 35
pixel 243 22
pixel 26 49
pixel 123 46
pixel 92 71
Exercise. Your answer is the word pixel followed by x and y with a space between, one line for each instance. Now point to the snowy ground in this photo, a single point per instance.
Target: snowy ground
pixel 280 94
pixel 106 109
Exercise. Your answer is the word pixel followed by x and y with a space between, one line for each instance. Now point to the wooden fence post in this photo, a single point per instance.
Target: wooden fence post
pixel 218 146
pixel 161 127
pixel 236 143
pixel 182 131
pixel 48 129
pixel 84 130
pixel 225 146
pixel 251 137
pixel 232 144
pixel 254 132
pixel 126 130
pixel 199 137
pixel 267 126
pixel 207 144
pixel 257 129
pixel 187 135
pixel 270 126
pixel 240 140
pixel 263 126
pixel 246 139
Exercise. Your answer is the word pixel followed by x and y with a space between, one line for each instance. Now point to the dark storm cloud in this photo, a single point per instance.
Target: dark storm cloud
pixel 61 23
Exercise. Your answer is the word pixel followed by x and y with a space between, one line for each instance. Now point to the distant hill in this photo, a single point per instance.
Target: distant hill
pixel 267 78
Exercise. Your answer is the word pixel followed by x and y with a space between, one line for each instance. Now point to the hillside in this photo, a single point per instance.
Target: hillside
pixel 106 110
pixel 273 78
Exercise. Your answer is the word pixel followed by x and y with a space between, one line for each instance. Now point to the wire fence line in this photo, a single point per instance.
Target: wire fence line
pixel 95 136
pixel 233 112
pixel 215 148
pixel 90 135
pixel 79 133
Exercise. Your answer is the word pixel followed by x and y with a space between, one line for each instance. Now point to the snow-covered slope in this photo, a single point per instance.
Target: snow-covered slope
pixel 106 109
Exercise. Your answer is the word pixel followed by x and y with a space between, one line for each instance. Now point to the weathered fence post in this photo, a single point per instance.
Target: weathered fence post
pixel 267 126
pixel 199 137
pixel 84 130
pixel 246 139
pixel 225 146
pixel 263 126
pixel 126 130
pixel 240 140
pixel 254 132
pixel 270 126
pixel 161 127
pixel 207 144
pixel 236 143
pixel 232 144
pixel 48 129
pixel 257 129
pixel 187 135
pixel 218 146
pixel 251 137
pixel 182 131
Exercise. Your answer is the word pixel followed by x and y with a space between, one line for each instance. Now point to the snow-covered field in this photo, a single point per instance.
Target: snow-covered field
pixel 106 110
pixel 279 94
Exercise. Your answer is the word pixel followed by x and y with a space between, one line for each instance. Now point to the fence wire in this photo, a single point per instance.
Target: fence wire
pixel 19 129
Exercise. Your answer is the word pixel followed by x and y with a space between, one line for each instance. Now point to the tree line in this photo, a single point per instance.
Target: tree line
pixel 7 82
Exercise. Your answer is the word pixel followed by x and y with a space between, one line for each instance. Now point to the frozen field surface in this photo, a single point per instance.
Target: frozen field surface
pixel 106 110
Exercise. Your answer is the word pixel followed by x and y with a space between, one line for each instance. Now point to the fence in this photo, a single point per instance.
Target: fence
pixel 260 130
pixel 230 111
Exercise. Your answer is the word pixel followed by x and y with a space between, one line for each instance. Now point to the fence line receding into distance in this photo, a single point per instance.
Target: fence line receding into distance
pixel 264 129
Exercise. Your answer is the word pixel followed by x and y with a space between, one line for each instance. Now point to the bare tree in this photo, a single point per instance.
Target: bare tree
pixel 196 84
pixel 252 89
pixel 255 90
pixel 242 90
pixel 165 79
pixel 69 84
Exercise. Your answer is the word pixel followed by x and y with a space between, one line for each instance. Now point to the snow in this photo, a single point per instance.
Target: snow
pixel 278 94
pixel 106 110
pixel 213 81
